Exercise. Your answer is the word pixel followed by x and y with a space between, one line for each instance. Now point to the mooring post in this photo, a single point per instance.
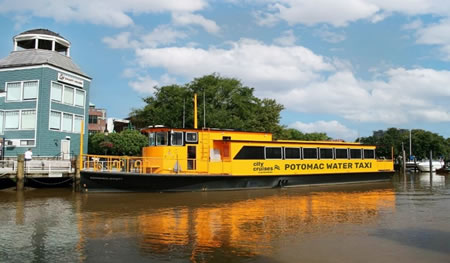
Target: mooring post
pixel 20 173
pixel 76 175
pixel 431 164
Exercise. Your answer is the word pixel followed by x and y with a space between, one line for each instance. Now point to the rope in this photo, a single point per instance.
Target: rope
pixel 37 181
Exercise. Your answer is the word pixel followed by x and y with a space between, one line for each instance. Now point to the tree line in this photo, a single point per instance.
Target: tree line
pixel 225 103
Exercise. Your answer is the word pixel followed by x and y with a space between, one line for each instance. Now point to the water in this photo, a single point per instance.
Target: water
pixel 405 220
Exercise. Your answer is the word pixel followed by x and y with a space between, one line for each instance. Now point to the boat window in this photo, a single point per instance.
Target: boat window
pixel 176 138
pixel 250 153
pixel 151 139
pixel 191 137
pixel 309 153
pixel 341 153
pixel 369 154
pixel 326 153
pixel 273 153
pixel 292 153
pixel 161 138
pixel 355 153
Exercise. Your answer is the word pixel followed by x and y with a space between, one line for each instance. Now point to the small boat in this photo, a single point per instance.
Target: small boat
pixel 424 166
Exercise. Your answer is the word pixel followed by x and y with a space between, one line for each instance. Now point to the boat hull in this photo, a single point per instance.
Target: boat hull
pixel 131 182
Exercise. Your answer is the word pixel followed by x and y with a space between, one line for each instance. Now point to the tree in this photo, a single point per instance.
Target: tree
pixel 128 142
pixel 422 142
pixel 222 103
pixel 294 134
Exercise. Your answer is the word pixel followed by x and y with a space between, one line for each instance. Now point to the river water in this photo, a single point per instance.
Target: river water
pixel 404 220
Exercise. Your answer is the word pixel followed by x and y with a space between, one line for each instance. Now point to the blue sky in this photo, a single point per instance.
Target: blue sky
pixel 344 69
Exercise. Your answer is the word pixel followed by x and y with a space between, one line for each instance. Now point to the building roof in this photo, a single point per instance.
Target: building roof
pixel 41 31
pixel 32 57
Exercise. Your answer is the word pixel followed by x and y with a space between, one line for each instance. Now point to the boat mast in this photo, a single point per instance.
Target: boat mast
pixel 410 147
pixel 195 111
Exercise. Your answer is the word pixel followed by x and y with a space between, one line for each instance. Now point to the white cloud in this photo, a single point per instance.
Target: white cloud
pixel 263 66
pixel 436 34
pixel 144 84
pixel 329 36
pixel 287 38
pixel 341 14
pixel 114 13
pixel 333 129
pixel 194 19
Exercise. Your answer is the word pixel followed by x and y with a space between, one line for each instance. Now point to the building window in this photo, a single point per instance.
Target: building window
pixel 12 120
pixel 30 90
pixel 77 124
pixel 67 122
pixel 79 98
pixel 26 142
pixel 93 119
pixel 57 92
pixel 13 91
pixel 55 120
pixel 68 95
pixel 28 119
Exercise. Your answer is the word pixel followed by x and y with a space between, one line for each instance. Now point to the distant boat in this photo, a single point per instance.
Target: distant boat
pixel 424 166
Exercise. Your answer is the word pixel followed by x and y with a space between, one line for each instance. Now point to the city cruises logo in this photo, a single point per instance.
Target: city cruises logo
pixel 260 167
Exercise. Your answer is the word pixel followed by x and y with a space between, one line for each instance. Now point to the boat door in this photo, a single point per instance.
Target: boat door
pixel 192 157
pixel 65 149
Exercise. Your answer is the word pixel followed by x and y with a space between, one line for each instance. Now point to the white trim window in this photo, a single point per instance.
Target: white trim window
pixel 28 121
pixel 77 124
pixel 12 120
pixel 22 90
pixel 55 120
pixel 30 90
pixel 57 90
pixel 13 91
pixel 67 122
pixel 68 95
pixel 79 97
pixel 2 121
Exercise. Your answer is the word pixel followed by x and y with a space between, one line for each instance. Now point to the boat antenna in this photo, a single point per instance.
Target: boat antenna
pixel 184 112
pixel 204 110
pixel 195 111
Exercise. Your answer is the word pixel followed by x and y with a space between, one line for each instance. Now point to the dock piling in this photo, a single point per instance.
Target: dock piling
pixel 76 175
pixel 20 173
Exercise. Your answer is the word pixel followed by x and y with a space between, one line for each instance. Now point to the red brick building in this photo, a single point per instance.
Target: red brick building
pixel 97 119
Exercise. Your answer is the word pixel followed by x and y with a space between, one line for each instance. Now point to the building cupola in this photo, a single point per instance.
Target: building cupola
pixel 42 39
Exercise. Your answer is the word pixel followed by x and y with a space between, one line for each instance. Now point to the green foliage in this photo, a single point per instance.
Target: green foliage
pixel 422 143
pixel 128 142
pixel 294 134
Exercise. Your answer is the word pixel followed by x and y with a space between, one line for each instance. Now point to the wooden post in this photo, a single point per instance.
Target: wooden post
pixel 404 162
pixel 431 164
pixel 77 175
pixel 20 175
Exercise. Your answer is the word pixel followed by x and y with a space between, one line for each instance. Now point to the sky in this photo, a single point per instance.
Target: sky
pixel 346 68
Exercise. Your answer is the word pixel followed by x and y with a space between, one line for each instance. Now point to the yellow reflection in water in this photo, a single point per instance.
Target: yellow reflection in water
pixel 246 227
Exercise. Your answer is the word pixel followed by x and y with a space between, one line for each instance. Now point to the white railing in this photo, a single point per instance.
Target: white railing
pixel 49 166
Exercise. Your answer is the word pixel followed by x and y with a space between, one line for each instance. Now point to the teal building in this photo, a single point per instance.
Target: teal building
pixel 43 97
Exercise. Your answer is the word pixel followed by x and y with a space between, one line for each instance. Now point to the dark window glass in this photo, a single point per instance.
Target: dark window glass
pixel 161 138
pixel 326 153
pixel 93 119
pixel 177 138
pixel 191 137
pixel 273 152
pixel 292 153
pixel 369 154
pixel 250 153
pixel 341 153
pixel 309 153
pixel 355 153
